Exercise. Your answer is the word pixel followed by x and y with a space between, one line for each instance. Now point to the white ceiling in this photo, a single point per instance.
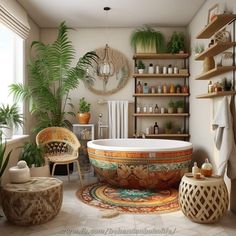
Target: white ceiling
pixel 123 13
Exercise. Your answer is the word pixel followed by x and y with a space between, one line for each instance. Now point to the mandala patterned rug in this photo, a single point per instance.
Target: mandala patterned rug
pixel 122 200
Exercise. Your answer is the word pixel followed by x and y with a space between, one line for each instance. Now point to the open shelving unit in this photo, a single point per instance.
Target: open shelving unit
pixel 184 76
pixel 217 24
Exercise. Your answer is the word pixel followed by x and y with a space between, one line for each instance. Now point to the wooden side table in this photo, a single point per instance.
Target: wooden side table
pixel 203 200
pixel 34 202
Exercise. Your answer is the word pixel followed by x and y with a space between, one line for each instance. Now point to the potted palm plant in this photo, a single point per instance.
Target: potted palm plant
pixel 51 79
pixel 10 118
pixel 147 40
pixel 83 116
pixel 33 156
pixel 176 43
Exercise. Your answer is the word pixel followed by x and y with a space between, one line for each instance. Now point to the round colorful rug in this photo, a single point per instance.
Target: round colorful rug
pixel 129 200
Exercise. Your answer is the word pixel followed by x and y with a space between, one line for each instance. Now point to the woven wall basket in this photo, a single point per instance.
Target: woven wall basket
pixel 208 64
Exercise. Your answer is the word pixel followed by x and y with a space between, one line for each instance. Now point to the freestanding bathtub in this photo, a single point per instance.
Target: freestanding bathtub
pixel 140 163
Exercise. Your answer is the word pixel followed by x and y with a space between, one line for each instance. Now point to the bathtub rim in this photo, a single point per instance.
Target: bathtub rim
pixel 92 145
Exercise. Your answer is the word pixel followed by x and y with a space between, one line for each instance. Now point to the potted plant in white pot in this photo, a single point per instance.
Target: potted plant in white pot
pixel 83 116
pixel 179 106
pixel 141 67
pixel 33 155
pixel 10 118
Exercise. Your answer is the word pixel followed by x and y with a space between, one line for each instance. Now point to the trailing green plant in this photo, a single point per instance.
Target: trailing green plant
pixel 10 116
pixel 141 65
pixel 32 154
pixel 179 104
pixel 226 84
pixel 51 78
pixel 84 106
pixel 176 43
pixel 171 104
pixel 147 37
pixel 3 163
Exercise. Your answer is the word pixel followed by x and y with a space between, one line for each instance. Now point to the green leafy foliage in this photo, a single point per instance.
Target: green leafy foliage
pixel 177 43
pixel 169 125
pixel 179 104
pixel 3 163
pixel 10 116
pixel 84 106
pixel 171 104
pixel 32 154
pixel 51 78
pixel 141 65
pixel 147 37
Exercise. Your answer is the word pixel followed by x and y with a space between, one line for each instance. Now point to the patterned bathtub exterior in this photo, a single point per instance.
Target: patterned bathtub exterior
pixel 124 167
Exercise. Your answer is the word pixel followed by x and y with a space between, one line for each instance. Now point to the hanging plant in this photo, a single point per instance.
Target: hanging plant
pixel 148 39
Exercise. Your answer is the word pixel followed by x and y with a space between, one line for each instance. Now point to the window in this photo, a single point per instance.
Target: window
pixel 11 64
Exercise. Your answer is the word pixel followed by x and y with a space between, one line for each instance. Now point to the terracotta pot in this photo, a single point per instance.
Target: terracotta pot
pixel 83 118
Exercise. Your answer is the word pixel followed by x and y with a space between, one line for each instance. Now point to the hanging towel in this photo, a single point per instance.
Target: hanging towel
pixel 118 119
pixel 224 139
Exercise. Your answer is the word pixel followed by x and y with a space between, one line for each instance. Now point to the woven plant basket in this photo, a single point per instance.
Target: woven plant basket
pixel 208 64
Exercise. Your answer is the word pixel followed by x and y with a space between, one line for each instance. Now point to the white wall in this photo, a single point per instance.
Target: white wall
pixel 89 39
pixel 203 111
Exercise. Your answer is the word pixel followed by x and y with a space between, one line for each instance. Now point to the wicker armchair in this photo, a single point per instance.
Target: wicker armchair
pixel 60 147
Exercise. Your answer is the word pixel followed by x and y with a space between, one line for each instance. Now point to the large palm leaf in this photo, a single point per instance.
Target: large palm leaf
pixel 51 78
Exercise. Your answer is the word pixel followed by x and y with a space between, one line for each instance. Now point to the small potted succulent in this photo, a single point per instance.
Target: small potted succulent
pixel 171 107
pixel 176 43
pixel 141 67
pixel 179 106
pixel 83 116
pixel 198 49
pixel 10 118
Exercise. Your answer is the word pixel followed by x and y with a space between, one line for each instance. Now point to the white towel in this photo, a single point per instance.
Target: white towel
pixel 224 139
pixel 118 119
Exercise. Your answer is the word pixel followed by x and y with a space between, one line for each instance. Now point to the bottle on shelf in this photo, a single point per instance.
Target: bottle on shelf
pixel 153 89
pixel 150 109
pixel 164 70
pixel 144 108
pixel 145 88
pixel 139 88
pixel 195 169
pixel 172 88
pixel 157 69
pixel 156 109
pixel 159 89
pixel 164 88
pixel 206 168
pixel 156 128
pixel 138 109
pixel 170 69
pixel 210 87
pixel 150 69
pixel 176 70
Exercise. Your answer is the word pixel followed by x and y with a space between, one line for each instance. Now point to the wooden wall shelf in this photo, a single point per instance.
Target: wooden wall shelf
pixel 161 95
pixel 167 56
pixel 216 71
pixel 216 94
pixel 166 135
pixel 214 50
pixel 160 114
pixel 160 75
pixel 220 21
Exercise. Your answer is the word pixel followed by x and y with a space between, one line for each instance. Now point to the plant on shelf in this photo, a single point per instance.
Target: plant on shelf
pixel 147 40
pixel 198 48
pixel 4 156
pixel 83 115
pixel 51 79
pixel 10 118
pixel 171 107
pixel 176 43
pixel 179 106
pixel 226 84
pixel 141 67
pixel 169 126
pixel 34 157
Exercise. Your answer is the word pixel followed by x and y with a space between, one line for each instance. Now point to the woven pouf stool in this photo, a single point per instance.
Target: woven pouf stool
pixel 34 202
pixel 203 200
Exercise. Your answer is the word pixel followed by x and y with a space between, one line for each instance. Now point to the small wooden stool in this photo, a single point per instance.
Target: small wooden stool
pixel 34 202
pixel 203 200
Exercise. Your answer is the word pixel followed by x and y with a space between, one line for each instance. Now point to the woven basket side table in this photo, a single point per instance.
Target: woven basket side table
pixel 34 202
pixel 203 200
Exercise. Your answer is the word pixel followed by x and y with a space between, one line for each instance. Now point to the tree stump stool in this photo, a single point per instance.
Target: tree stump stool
pixel 34 202
pixel 203 200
